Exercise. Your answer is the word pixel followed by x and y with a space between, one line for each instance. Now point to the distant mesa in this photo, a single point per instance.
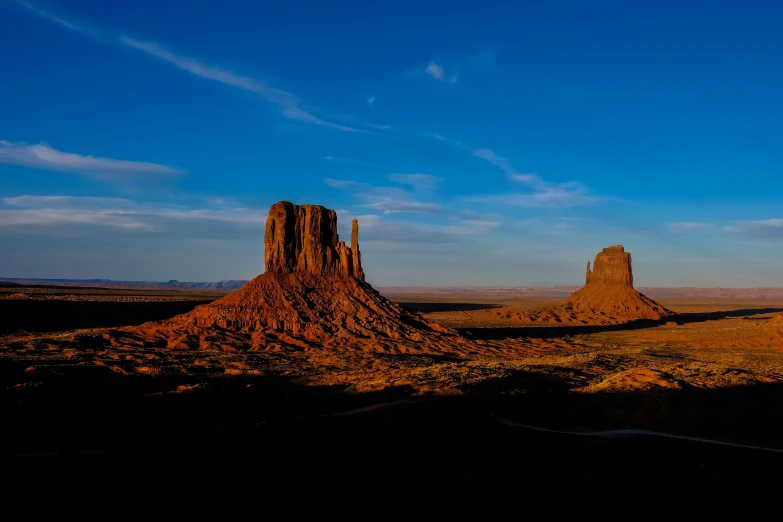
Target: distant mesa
pixel 609 291
pixel 312 295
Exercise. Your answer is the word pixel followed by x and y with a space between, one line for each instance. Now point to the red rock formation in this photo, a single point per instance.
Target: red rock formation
pixel 612 266
pixel 608 295
pixel 312 295
pixel 304 239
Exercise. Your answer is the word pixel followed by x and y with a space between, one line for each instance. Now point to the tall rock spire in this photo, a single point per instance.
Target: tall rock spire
pixel 357 255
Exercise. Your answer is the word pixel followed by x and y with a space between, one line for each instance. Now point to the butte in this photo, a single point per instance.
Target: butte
pixel 312 295
pixel 608 297
pixel 609 291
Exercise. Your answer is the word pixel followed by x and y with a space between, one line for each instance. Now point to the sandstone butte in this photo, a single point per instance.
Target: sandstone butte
pixel 609 291
pixel 608 297
pixel 312 295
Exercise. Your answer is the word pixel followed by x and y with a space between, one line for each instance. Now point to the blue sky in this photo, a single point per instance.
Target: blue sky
pixel 478 143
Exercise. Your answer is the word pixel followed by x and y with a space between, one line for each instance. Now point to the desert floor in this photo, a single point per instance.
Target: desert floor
pixel 528 407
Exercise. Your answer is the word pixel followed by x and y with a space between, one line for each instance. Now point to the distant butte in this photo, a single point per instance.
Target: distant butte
pixel 608 297
pixel 609 291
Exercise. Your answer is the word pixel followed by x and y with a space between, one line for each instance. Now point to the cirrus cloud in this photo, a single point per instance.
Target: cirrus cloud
pixel 437 72
pixel 42 156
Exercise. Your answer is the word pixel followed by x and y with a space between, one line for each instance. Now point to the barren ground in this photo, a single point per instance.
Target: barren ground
pixel 715 372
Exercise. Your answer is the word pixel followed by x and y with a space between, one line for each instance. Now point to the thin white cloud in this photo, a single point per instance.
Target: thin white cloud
pixel 566 195
pixel 691 225
pixel 73 26
pixel 371 100
pixel 417 181
pixel 437 72
pixel 506 166
pixel 59 217
pixel 39 201
pixel 289 105
pixel 459 66
pixel 380 230
pixel 341 183
pixel 543 193
pixel 49 212
pixel 389 200
pixel 763 228
pixel 43 156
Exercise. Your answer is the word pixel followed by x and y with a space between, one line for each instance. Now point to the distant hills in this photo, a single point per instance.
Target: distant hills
pixel 226 284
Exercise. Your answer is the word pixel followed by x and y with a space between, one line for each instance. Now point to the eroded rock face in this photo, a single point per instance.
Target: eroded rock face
pixel 303 238
pixel 612 266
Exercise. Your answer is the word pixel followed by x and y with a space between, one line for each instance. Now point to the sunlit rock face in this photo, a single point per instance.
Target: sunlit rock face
pixel 303 238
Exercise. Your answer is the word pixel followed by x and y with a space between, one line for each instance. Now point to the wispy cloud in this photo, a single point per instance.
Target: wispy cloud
pixel 417 181
pixel 44 211
pixel 74 201
pixel 764 228
pixel 371 100
pixel 437 72
pixel 541 227
pixel 389 200
pixel 691 225
pixel 73 26
pixel 378 229
pixel 43 156
pixel 395 200
pixel 506 166
pixel 290 106
pixel 459 66
pixel 542 193
pixel 351 161
pixel 566 195
pixel 50 212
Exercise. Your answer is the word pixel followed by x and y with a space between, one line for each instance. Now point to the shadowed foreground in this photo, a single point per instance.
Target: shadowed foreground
pixel 92 428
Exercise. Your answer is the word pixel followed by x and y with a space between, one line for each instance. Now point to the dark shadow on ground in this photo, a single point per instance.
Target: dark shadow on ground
pixel 446 307
pixel 268 434
pixel 59 315
pixel 556 331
